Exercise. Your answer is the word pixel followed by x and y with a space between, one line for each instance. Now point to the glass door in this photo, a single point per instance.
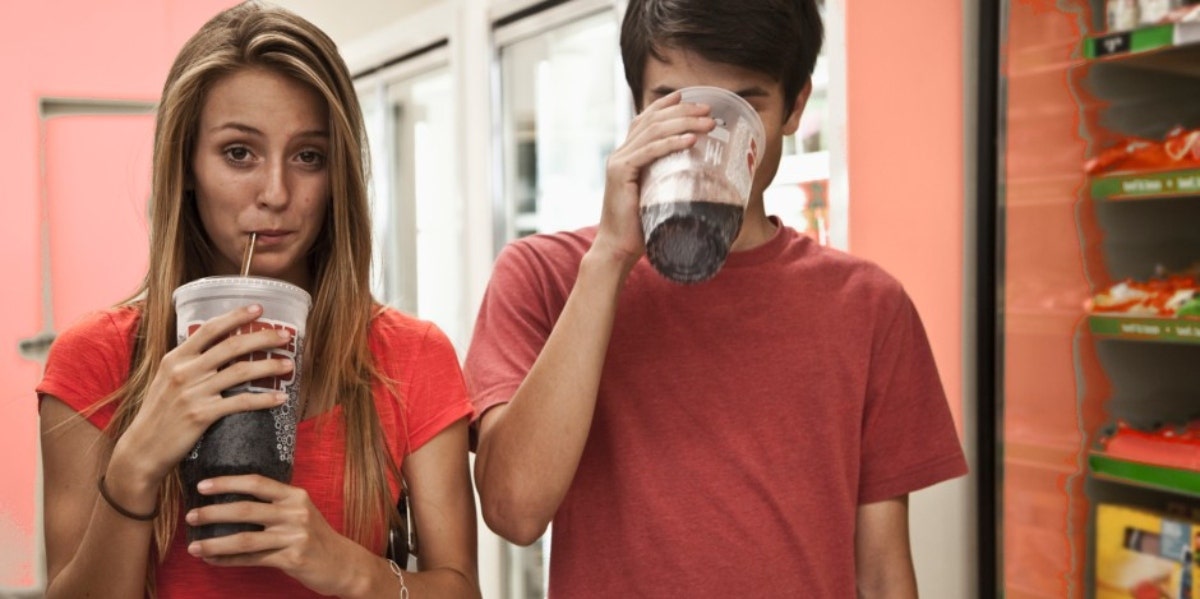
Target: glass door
pixel 1096 431
pixel 416 198
pixel 809 192
pixel 564 107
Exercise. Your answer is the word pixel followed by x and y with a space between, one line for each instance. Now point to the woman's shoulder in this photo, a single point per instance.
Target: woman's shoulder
pixel 91 359
pixel 397 334
pixel 111 327
pixel 390 325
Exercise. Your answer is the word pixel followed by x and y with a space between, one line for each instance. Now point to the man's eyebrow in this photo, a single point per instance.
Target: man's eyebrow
pixel 752 92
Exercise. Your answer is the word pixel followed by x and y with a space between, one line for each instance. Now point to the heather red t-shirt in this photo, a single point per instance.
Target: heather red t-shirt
pixel 92 359
pixel 740 422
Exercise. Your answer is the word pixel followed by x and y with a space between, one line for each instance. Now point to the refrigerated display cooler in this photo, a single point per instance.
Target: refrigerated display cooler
pixel 1089 253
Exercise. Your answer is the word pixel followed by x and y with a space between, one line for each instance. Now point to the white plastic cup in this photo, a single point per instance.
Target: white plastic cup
pixel 693 200
pixel 257 442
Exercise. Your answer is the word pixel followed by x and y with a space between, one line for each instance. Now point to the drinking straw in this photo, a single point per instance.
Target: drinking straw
pixel 248 254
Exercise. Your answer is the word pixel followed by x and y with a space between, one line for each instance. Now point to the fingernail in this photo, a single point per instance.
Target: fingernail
pixel 204 485
pixel 284 333
pixel 194 548
pixel 254 308
pixel 280 397
pixel 192 517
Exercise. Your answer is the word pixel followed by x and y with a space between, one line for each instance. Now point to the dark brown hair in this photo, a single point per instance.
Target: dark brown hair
pixel 780 38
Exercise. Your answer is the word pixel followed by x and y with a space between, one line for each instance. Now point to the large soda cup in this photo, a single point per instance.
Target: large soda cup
pixel 693 200
pixel 258 442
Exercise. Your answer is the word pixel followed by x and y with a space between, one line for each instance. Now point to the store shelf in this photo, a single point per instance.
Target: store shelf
pixel 1171 480
pixel 1171 47
pixel 1146 186
pixel 1160 330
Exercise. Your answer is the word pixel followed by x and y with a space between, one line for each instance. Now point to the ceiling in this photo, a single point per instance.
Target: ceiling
pixel 348 20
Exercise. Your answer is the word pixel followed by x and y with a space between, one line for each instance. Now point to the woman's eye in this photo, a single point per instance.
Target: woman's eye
pixel 311 157
pixel 237 154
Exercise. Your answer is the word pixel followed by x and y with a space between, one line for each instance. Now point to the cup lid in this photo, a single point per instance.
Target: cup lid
pixel 250 286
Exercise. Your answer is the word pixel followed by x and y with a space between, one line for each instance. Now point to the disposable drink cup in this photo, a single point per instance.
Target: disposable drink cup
pixel 257 442
pixel 693 200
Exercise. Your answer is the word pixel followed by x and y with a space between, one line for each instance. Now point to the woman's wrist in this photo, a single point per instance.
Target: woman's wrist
pixel 373 577
pixel 131 482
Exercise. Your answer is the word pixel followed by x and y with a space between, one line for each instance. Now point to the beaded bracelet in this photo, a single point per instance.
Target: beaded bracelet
pixel 399 572
pixel 120 510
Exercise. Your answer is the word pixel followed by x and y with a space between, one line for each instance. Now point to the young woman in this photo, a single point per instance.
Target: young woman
pixel 258 131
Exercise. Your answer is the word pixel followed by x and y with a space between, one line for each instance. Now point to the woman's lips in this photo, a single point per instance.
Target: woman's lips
pixel 268 239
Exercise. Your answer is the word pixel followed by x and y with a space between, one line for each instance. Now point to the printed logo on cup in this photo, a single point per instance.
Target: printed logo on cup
pixel 272 383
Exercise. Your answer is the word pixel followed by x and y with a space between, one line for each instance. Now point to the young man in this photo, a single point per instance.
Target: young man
pixel 755 435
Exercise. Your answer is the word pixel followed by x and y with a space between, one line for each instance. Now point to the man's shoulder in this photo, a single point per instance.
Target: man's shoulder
pixel 562 242
pixel 558 252
pixel 849 272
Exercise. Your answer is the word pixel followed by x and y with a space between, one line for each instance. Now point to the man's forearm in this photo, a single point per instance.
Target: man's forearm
pixel 530 448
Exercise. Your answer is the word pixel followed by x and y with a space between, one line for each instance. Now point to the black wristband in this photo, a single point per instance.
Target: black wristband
pixel 120 510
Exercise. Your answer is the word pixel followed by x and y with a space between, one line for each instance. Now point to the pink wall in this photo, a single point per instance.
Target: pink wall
pixel 905 152
pixel 118 49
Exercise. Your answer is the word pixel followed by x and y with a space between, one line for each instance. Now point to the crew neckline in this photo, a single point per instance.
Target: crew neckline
pixel 765 251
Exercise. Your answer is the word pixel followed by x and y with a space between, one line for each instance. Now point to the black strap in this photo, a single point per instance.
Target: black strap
pixel 402 538
pixel 121 510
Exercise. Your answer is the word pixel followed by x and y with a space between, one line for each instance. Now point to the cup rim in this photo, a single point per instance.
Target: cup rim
pixel 251 282
pixel 740 102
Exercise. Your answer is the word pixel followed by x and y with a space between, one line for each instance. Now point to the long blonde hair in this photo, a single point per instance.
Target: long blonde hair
pixel 337 365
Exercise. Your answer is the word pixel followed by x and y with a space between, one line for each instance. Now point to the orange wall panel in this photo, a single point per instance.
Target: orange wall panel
pixel 904 129
pixel 118 50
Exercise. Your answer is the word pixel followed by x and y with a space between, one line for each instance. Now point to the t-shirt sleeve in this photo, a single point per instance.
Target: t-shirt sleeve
pixel 87 363
pixel 510 330
pixel 909 440
pixel 437 396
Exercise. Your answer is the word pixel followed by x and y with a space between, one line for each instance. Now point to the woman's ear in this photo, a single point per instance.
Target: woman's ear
pixel 793 120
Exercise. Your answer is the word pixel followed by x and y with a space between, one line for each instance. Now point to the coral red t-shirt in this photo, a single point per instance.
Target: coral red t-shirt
pixel 92 359
pixel 740 422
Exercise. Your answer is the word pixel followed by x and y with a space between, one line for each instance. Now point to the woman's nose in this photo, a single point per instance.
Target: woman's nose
pixel 274 192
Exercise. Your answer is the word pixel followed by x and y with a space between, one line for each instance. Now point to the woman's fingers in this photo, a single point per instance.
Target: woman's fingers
pixel 246 345
pixel 242 512
pixel 230 350
pixel 202 336
pixel 249 548
pixel 246 402
pixel 265 373
pixel 262 487
pixel 283 512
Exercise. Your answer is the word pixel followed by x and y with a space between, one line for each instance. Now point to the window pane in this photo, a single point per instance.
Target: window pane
pixel 800 192
pixel 419 220
pixel 564 108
